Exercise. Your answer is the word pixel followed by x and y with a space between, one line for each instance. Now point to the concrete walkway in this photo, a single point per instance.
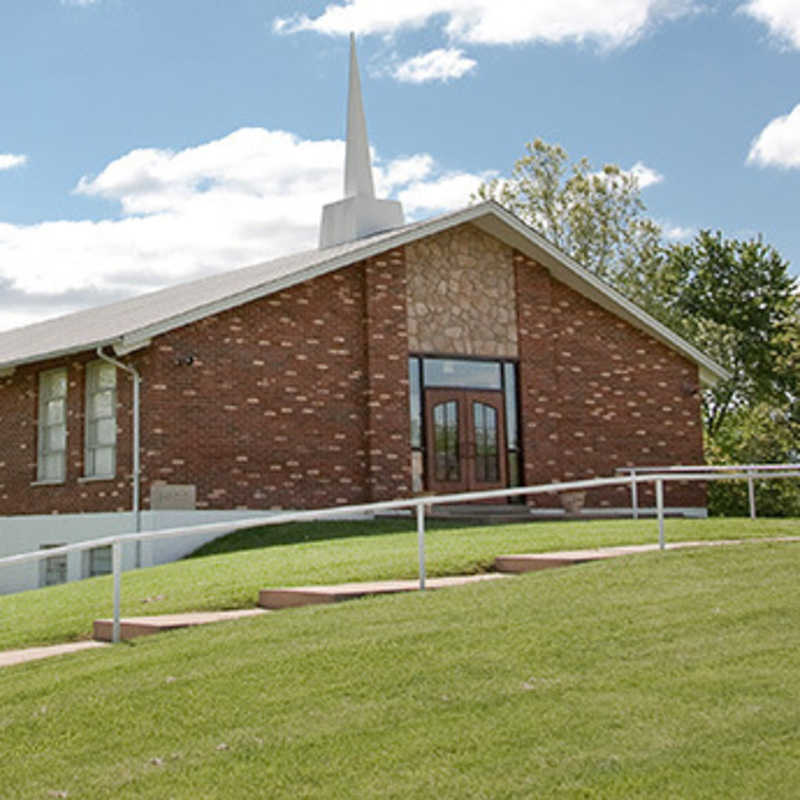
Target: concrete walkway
pixel 8 658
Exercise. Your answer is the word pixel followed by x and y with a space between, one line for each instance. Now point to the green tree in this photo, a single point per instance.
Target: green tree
pixel 735 301
pixel 756 434
pixel 595 216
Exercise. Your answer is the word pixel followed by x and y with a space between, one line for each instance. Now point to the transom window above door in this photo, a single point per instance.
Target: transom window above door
pixel 446 372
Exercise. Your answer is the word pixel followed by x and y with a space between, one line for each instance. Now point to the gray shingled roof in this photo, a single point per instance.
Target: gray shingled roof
pixel 139 317
pixel 129 324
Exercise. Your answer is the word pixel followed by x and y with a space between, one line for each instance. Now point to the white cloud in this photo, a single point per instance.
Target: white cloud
pixel 81 3
pixel 247 197
pixel 10 160
pixel 778 145
pixel 403 171
pixel 646 176
pixel 677 233
pixel 782 17
pixel 436 65
pixel 611 23
pixel 442 193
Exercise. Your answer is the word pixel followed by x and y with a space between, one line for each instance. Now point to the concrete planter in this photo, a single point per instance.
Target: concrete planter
pixel 572 502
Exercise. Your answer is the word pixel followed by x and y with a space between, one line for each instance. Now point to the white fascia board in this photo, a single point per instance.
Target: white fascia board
pixel 130 344
pixel 58 353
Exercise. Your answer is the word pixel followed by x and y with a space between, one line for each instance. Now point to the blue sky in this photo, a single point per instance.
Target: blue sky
pixel 144 142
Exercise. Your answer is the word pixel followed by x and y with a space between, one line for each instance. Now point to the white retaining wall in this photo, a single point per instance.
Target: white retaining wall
pixel 25 533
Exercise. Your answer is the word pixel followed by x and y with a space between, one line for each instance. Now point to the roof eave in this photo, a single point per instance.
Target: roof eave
pixel 51 355
pixel 487 215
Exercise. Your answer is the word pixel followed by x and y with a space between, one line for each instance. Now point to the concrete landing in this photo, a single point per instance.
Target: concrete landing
pixel 8 658
pixel 131 627
pixel 530 562
pixel 295 596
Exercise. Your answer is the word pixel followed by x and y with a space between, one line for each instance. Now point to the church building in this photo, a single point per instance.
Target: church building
pixel 462 352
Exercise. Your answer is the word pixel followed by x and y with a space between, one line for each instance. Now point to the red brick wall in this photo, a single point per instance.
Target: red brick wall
pixel 597 393
pixel 300 399
pixel 386 334
pixel 270 413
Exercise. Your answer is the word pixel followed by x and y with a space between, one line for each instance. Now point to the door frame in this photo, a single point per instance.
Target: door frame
pixel 464 399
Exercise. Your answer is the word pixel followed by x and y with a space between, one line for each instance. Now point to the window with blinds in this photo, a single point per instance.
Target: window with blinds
pixel 101 420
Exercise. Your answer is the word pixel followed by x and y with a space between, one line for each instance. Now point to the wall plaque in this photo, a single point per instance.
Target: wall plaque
pixel 173 497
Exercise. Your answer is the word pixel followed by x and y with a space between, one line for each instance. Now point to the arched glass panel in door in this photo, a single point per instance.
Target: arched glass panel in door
pixel 487 451
pixel 447 466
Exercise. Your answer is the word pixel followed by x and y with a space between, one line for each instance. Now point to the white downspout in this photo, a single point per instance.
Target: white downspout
pixel 137 379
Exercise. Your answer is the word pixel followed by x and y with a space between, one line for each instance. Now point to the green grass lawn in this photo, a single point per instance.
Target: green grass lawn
pixel 330 552
pixel 661 675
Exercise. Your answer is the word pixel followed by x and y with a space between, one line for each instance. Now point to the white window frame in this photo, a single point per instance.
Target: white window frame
pixel 91 443
pixel 45 452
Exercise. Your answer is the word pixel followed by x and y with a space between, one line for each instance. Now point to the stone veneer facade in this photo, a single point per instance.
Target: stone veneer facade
pixel 461 295
pixel 300 398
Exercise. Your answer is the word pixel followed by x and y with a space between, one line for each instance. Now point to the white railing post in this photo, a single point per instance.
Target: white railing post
pixel 116 564
pixel 421 543
pixel 634 496
pixel 660 509
pixel 751 493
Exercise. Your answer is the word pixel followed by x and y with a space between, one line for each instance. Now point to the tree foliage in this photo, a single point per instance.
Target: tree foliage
pixel 755 434
pixel 735 301
pixel 595 216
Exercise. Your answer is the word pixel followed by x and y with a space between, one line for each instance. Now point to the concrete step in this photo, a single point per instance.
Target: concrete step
pixel 132 627
pixel 530 562
pixel 294 596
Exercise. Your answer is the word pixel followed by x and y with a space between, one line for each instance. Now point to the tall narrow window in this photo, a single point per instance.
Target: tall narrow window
pixel 101 420
pixel 512 432
pixel 445 441
pixel 415 403
pixel 487 465
pixel 52 445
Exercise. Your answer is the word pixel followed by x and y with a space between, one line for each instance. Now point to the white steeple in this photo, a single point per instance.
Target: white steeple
pixel 357 164
pixel 360 213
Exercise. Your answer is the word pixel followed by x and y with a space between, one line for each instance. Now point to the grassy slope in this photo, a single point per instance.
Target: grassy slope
pixel 667 675
pixel 232 580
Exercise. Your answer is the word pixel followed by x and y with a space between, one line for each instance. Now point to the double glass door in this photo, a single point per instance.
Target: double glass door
pixel 465 433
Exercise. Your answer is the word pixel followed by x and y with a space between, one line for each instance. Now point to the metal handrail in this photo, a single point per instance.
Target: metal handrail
pixel 712 468
pixel 753 471
pixel 418 504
